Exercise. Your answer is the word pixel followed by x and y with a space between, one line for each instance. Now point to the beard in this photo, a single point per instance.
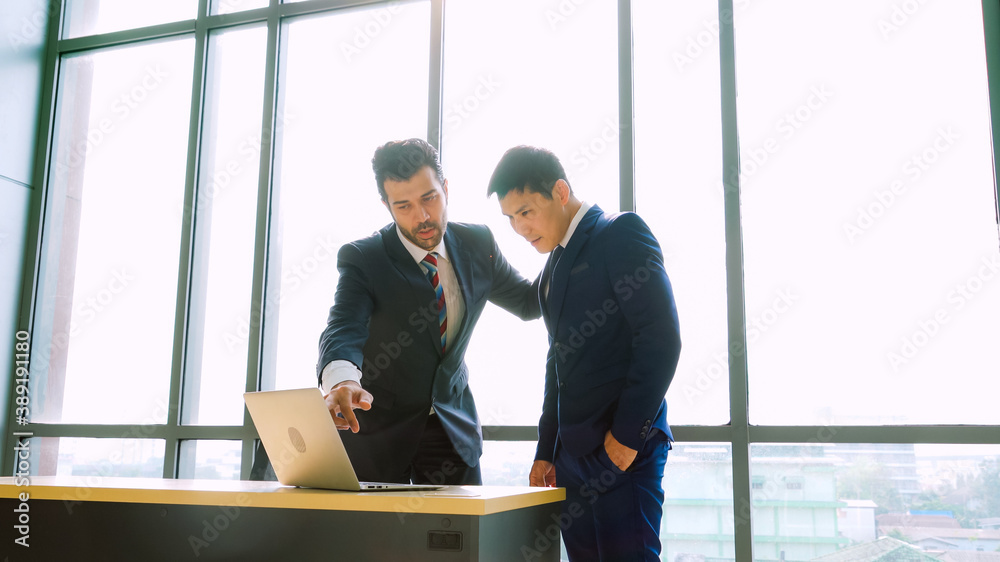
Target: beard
pixel 426 244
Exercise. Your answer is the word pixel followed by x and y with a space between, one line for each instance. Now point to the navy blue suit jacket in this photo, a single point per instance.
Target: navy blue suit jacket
pixel 614 339
pixel 384 320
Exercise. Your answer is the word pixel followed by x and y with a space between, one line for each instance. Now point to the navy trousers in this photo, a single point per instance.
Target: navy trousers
pixel 612 515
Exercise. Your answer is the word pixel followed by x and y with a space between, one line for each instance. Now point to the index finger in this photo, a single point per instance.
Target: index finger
pixel 346 406
pixel 339 404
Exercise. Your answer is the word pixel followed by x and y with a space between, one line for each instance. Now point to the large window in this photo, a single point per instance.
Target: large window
pixel 868 215
pixel 370 90
pixel 491 101
pixel 678 141
pixel 225 209
pixel 108 283
pixel 830 232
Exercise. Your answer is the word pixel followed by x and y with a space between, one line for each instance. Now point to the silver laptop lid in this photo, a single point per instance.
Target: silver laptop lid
pixel 301 439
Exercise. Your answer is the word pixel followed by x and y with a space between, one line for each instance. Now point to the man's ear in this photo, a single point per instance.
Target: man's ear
pixel 444 188
pixel 560 192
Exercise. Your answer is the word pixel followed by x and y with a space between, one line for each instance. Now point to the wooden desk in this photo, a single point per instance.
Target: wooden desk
pixel 94 518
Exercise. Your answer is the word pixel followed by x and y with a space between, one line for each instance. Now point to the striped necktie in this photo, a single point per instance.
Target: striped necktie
pixel 431 263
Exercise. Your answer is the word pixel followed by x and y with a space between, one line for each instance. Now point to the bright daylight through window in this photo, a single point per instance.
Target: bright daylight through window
pixel 837 297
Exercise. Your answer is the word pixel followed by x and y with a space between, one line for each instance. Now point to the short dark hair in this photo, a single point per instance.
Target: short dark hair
pixel 526 168
pixel 400 160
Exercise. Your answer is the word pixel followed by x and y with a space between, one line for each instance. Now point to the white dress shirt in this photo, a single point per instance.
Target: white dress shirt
pixel 338 371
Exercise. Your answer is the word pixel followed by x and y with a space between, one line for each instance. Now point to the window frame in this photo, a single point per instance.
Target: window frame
pixel 739 433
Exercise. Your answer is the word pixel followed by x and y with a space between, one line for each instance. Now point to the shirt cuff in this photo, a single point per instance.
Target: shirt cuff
pixel 339 371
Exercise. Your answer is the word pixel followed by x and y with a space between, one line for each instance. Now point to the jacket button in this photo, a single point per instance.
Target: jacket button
pixel 642 435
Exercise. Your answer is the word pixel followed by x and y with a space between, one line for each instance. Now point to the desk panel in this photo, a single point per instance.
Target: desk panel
pixel 143 519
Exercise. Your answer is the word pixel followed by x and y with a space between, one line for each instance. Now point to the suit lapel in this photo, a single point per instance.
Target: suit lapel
pixel 461 262
pixel 560 277
pixel 423 293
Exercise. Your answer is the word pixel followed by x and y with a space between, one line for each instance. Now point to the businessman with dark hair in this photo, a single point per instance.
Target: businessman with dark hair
pixel 614 343
pixel 392 356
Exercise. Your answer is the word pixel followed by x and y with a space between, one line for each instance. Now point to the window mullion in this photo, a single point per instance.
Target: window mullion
pixel 739 419
pixel 435 75
pixel 262 347
pixel 188 240
pixel 626 112
pixel 991 31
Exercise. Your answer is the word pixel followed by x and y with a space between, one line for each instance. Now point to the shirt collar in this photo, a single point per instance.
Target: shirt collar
pixel 419 253
pixel 584 207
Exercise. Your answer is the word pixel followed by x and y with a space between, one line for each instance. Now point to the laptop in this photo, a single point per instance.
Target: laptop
pixel 303 443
